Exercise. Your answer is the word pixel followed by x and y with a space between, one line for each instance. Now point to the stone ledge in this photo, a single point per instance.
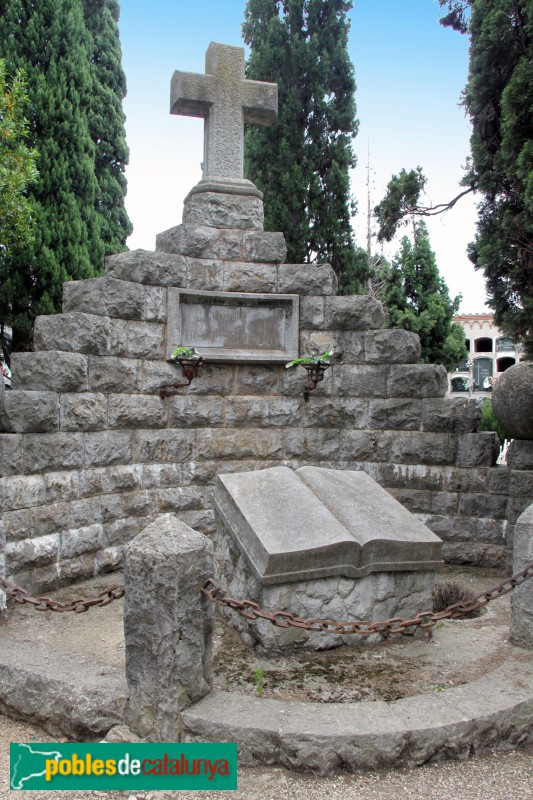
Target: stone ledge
pixel 201 241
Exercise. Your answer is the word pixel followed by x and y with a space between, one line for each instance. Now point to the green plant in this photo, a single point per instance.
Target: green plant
pixel 258 677
pixel 489 421
pixel 323 357
pixel 448 593
pixel 439 687
pixel 184 352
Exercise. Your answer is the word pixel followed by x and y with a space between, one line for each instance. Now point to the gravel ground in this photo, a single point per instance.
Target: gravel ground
pixel 497 776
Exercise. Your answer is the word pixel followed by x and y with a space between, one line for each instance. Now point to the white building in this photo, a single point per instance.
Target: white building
pixel 490 353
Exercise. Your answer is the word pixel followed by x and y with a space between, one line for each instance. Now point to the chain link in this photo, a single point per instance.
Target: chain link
pixel 78 605
pixel 396 625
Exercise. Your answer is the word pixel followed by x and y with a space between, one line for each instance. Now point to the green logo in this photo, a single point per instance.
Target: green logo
pixel 123 766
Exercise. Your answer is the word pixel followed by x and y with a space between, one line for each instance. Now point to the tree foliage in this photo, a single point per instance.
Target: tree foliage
pixel 52 43
pixel 417 299
pixel 499 99
pixel 302 162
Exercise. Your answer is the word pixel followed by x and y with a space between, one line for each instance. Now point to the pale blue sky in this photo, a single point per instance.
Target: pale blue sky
pixel 409 70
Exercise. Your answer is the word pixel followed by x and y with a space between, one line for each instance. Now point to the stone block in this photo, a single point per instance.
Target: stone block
pixel 418 381
pixel 264 247
pixel 477 449
pixel 314 279
pixel 360 381
pixel 179 499
pixel 455 415
pixel 106 448
pixel 29 553
pixel 252 379
pixel 483 505
pixel 52 451
pixel 106 296
pixel 239 444
pixel 423 448
pixel 159 475
pixel 200 241
pixel 83 412
pixel 520 454
pixel 163 445
pixel 222 210
pixel 444 502
pixel 137 339
pixel 155 304
pixel 110 374
pixel 522 597
pixel 257 412
pixel 136 411
pixel 332 412
pixel 122 531
pixel 49 371
pixel 167 626
pixel 11 454
pixel 520 483
pixel 392 347
pixel 347 346
pixel 146 266
pixel 312 312
pixel 213 379
pixel 242 277
pixel 194 412
pixel 15 525
pixel 364 446
pixel 111 506
pixel 202 521
pixel 498 479
pixel 77 542
pixel 84 512
pixel 395 414
pixel 29 412
pixel 310 444
pixel 294 381
pixel 74 332
pixel 48 519
pixel 140 502
pixel 414 500
pixel 353 313
pixel 475 554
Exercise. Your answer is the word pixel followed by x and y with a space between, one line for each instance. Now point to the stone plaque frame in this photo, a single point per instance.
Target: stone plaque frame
pixel 234 326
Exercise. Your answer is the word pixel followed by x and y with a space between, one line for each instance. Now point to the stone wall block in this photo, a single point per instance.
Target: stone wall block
pixel 110 374
pixel 221 210
pixel 140 502
pixel 520 454
pixel 515 507
pixel 264 247
pixel 312 313
pixel 83 412
pixel 334 412
pixel 213 379
pixel 362 446
pixel 84 512
pixel 201 521
pixel 353 313
pixel 188 498
pixel 107 480
pixel 249 277
pixel 360 381
pixel 76 569
pixel 122 531
pixel 107 296
pixel 76 542
pixel 111 506
pixel 474 554
pixel 137 339
pixel 11 454
pixel 200 241
pixel 315 279
pixel 394 346
pixel 155 374
pixel 418 381
pixel 206 274
pixel 38 580
pixel 348 347
pixel 522 597
pixel 15 525
pixel 311 443
pixel 160 475
pixel 155 304
pixel 106 448
pixel 423 448
pixel 520 483
pixel 136 411
pixel 30 553
pixel 146 266
pixel 498 479
pixel 444 502
pixel 29 412
pixel 50 371
pixel 294 380
pixel 74 332
pixel 163 445
pixel 45 520
pixel 414 500
pixel 3 597
pixel 395 414
pixel 168 627
pixel 478 449
pixel 240 444
pixel 483 505
pixel 195 412
pixel 52 451
pixel 455 415
pixel 259 412
pixel 252 379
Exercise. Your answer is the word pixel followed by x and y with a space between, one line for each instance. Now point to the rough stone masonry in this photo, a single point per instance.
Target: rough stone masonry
pixel 90 453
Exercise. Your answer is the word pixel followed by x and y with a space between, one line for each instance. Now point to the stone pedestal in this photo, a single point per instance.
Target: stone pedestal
pixel 320 543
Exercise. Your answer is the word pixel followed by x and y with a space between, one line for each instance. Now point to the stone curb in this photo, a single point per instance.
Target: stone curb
pixel 495 711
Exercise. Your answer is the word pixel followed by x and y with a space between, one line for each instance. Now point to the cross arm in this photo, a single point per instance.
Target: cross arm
pixel 260 102
pixel 191 94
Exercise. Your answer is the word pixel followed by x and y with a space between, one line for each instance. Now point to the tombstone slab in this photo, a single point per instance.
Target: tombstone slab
pixel 320 543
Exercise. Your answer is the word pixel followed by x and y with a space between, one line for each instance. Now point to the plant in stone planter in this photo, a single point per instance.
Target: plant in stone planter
pixel 190 362
pixel 315 367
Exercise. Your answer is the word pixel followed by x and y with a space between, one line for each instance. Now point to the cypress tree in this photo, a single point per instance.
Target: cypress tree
pixel 106 121
pixel 302 162
pixel 417 299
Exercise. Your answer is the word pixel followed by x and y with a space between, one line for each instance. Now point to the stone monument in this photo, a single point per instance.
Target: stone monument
pixel 320 543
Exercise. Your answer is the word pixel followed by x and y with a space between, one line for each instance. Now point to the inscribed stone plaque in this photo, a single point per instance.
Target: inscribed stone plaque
pixel 313 523
pixel 233 326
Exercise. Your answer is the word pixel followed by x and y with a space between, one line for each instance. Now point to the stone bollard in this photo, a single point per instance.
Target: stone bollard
pixel 522 597
pixel 167 626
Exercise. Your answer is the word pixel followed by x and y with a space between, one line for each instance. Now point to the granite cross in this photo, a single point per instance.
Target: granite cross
pixel 226 100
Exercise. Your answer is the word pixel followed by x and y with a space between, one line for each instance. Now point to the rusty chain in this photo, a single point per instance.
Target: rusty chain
pixel 425 619
pixel 78 605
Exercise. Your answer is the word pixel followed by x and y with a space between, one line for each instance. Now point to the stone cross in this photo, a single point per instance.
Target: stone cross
pixel 226 100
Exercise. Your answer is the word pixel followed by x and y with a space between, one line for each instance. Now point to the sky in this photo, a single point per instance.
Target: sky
pixel 410 73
